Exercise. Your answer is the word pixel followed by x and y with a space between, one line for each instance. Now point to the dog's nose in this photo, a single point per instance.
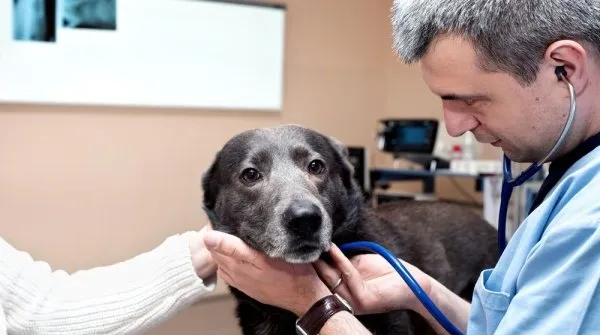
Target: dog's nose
pixel 303 218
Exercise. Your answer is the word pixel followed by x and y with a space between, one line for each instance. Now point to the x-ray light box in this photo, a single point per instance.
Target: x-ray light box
pixel 165 53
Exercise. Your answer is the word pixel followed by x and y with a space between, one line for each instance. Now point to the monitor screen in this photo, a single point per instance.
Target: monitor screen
pixel 412 135
pixel 408 135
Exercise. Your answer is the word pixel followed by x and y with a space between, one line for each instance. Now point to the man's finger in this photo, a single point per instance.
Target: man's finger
pixel 225 276
pixel 231 264
pixel 229 245
pixel 328 274
pixel 352 277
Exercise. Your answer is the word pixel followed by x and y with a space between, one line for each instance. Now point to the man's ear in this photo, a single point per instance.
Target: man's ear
pixel 343 157
pixel 210 188
pixel 571 56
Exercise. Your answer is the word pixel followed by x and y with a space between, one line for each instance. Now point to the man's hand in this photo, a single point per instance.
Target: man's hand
pixel 294 287
pixel 370 283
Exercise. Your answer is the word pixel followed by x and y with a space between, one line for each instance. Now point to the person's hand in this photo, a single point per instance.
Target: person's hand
pixel 370 283
pixel 294 287
pixel 202 260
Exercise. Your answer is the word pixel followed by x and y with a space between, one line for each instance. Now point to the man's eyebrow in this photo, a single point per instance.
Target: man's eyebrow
pixel 463 97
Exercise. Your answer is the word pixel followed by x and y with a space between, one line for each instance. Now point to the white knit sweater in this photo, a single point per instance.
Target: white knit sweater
pixel 130 297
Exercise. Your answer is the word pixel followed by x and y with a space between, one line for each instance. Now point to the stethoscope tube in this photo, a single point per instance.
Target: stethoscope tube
pixel 509 182
pixel 408 279
pixel 507 187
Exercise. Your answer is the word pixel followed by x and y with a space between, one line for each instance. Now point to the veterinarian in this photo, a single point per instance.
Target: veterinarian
pixel 129 297
pixel 517 74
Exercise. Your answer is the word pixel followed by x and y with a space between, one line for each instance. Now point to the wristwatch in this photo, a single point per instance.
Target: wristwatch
pixel 316 316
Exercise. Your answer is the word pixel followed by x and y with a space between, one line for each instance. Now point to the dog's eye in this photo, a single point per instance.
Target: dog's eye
pixel 316 167
pixel 250 175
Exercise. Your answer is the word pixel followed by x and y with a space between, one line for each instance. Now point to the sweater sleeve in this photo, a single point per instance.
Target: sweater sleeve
pixel 129 297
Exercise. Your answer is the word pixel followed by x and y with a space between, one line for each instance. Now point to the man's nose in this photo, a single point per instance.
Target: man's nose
pixel 458 121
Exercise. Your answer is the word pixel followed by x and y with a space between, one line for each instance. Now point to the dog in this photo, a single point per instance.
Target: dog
pixel 288 191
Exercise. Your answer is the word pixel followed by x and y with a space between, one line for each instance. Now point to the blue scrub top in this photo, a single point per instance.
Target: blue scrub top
pixel 547 279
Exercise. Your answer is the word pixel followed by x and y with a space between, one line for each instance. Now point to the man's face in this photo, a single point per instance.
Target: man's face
pixel 524 121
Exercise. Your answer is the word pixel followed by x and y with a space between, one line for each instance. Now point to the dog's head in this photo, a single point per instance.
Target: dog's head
pixel 283 190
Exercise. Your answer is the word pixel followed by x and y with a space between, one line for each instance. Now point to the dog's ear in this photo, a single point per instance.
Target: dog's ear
pixel 210 188
pixel 344 158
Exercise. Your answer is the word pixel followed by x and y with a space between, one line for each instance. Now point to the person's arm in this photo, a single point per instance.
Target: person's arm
pixel 343 323
pixel 371 286
pixel 455 308
pixel 128 297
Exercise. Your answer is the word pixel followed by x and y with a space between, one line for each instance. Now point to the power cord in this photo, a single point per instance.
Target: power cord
pixel 464 192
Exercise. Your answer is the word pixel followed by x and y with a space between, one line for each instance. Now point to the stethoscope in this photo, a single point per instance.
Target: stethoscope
pixel 508 182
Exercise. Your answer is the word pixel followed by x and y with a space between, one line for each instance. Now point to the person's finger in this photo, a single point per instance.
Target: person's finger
pixel 352 277
pixel 234 265
pixel 239 280
pixel 224 261
pixel 232 246
pixel 328 274
pixel 203 231
pixel 227 278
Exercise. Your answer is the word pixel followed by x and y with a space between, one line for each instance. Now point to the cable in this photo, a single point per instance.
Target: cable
pixel 464 192
pixel 407 277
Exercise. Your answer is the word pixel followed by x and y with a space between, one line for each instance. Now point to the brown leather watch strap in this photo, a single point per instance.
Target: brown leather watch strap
pixel 316 316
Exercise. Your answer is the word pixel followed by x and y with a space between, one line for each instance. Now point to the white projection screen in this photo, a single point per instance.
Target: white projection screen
pixel 159 53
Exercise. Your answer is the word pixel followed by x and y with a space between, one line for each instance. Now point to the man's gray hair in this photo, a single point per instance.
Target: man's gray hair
pixel 508 35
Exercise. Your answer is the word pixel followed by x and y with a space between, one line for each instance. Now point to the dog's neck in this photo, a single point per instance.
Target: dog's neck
pixel 349 227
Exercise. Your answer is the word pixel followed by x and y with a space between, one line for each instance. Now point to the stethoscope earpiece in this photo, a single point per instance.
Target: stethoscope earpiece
pixel 561 73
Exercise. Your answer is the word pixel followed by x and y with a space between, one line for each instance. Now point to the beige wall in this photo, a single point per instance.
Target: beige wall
pixel 406 95
pixel 89 186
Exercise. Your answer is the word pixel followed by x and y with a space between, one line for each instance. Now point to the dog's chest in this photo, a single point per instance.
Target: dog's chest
pixel 268 328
